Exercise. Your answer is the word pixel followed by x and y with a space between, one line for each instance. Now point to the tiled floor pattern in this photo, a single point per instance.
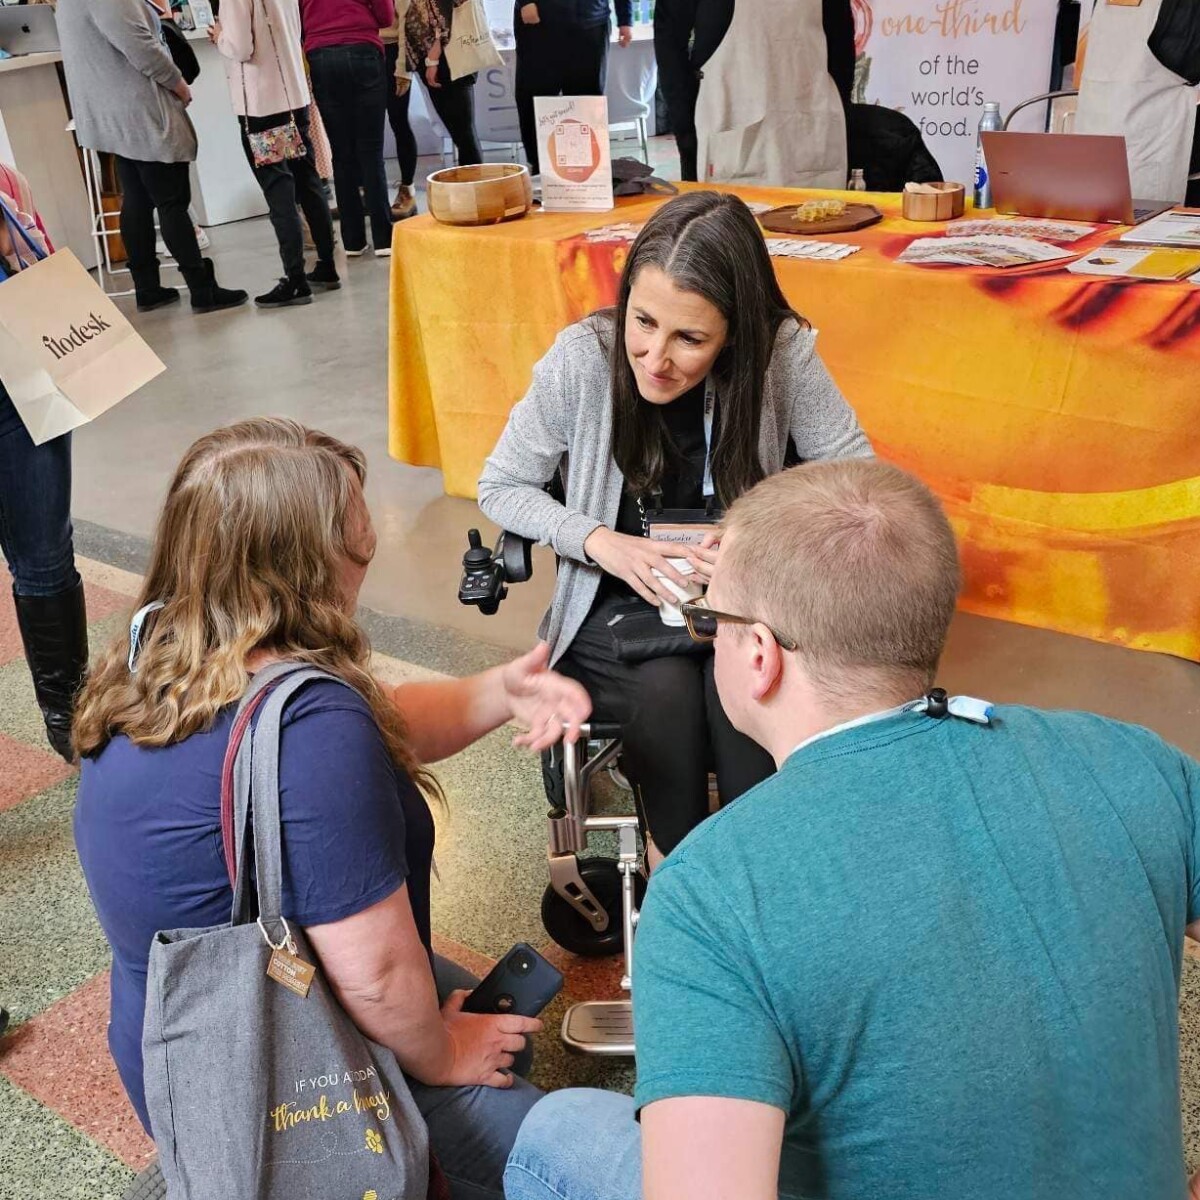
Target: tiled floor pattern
pixel 66 1130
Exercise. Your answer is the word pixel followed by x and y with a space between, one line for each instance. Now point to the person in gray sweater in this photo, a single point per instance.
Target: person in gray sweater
pixel 129 100
pixel 662 411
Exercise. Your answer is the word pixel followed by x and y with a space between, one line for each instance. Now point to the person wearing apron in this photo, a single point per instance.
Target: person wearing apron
pixel 768 111
pixel 1126 91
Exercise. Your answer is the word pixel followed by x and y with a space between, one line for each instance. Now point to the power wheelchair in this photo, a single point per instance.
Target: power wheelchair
pixel 590 906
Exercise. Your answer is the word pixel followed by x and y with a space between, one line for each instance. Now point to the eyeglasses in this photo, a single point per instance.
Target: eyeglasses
pixel 702 622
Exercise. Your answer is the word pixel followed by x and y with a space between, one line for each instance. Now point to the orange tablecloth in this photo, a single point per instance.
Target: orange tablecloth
pixel 1058 417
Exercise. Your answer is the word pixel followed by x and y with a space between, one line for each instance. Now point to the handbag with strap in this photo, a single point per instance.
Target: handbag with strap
pixel 280 142
pixel 258 1084
pixel 25 251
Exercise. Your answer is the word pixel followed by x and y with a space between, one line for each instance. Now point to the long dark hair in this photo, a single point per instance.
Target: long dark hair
pixel 710 244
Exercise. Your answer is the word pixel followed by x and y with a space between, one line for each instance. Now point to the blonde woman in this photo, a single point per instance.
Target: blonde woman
pixel 259 556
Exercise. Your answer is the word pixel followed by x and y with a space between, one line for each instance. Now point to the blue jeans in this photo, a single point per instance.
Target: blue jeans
pixel 578 1144
pixel 35 508
pixel 351 86
pixel 472 1129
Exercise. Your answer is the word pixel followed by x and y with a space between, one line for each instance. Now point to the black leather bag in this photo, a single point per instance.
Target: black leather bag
pixel 639 634
pixel 1175 41
pixel 181 52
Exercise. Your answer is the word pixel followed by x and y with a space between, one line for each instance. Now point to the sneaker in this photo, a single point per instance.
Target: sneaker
pixel 356 253
pixel 324 277
pixel 383 252
pixel 405 204
pixel 160 297
pixel 286 294
pixel 202 239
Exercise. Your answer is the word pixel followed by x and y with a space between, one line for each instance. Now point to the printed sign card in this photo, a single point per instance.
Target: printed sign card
pixel 573 147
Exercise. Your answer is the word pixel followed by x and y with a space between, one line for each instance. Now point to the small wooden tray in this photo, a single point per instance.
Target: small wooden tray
pixel 856 216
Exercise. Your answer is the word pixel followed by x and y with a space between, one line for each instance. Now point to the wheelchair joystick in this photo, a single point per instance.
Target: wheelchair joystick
pixel 483 577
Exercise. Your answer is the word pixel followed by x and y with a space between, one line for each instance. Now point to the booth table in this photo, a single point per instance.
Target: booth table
pixel 1056 416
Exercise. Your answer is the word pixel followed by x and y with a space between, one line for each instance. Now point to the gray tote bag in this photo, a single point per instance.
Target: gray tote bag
pixel 257 1092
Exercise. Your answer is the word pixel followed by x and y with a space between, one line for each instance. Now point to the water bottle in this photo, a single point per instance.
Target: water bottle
pixel 990 122
pixel 858 182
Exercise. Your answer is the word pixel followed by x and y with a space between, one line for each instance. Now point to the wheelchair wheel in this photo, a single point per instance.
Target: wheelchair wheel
pixel 569 930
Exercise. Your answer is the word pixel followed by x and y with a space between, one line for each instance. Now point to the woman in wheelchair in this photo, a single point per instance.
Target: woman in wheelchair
pixel 649 419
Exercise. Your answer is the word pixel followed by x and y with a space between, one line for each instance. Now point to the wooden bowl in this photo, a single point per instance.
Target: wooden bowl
pixel 480 195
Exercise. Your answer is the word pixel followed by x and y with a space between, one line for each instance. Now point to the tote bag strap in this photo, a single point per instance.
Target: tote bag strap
pixel 255 789
pixel 232 837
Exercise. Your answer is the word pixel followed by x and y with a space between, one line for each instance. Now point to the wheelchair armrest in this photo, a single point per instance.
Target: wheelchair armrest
pixel 516 555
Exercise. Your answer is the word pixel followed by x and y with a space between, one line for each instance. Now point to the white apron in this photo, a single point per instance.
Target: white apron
pixel 1125 90
pixel 767 111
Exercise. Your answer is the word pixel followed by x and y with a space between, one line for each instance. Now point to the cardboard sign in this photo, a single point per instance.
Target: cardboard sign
pixel 573 147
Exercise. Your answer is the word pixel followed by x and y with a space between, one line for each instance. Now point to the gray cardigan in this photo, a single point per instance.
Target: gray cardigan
pixel 120 76
pixel 566 417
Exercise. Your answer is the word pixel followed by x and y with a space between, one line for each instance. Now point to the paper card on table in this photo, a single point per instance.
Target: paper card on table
pixel 1112 261
pixel 982 251
pixel 1179 227
pixel 1134 262
pixel 1030 227
pixel 572 133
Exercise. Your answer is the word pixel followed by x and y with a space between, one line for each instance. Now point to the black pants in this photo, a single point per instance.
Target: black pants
pixel 397 110
pixel 556 60
pixel 286 184
pixel 147 186
pixel 674 730
pixel 454 103
pixel 350 84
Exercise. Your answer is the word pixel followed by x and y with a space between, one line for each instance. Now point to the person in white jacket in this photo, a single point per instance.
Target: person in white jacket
pixel 261 43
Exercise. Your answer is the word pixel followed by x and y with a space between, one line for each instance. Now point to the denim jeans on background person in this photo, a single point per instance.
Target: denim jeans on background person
pixel 35 508
pixel 350 85
pixel 286 184
pixel 577 1144
pixel 472 1129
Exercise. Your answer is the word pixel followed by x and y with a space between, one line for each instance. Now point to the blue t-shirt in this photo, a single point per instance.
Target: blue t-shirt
pixel 148 831
pixel 950 953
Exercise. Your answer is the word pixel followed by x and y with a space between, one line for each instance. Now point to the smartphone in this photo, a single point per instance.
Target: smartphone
pixel 522 982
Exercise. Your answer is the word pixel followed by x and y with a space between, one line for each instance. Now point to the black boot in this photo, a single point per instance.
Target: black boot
pixel 148 288
pixel 208 295
pixel 285 294
pixel 324 277
pixel 54 630
pixel 160 297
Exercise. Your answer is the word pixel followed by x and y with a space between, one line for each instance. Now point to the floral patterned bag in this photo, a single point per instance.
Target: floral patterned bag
pixel 280 142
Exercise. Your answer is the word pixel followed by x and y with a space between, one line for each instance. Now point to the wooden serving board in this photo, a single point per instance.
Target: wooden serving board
pixel 856 216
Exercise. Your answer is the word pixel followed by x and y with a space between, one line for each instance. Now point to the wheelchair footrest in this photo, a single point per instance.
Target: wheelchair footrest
pixel 602 1027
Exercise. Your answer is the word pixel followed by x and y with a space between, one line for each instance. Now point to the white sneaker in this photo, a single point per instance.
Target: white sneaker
pixel 386 252
pixel 202 238
pixel 356 253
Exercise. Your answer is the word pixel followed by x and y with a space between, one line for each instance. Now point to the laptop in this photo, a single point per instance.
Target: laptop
pixel 28 29
pixel 1070 176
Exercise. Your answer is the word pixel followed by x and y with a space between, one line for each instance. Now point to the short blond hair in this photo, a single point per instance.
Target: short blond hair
pixel 853 560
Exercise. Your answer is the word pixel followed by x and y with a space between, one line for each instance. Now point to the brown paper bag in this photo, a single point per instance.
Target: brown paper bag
pixel 66 353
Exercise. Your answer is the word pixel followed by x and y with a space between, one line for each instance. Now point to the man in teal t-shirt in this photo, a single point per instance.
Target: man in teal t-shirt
pixel 938 954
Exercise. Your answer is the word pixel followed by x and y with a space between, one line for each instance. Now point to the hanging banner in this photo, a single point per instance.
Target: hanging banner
pixel 940 61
